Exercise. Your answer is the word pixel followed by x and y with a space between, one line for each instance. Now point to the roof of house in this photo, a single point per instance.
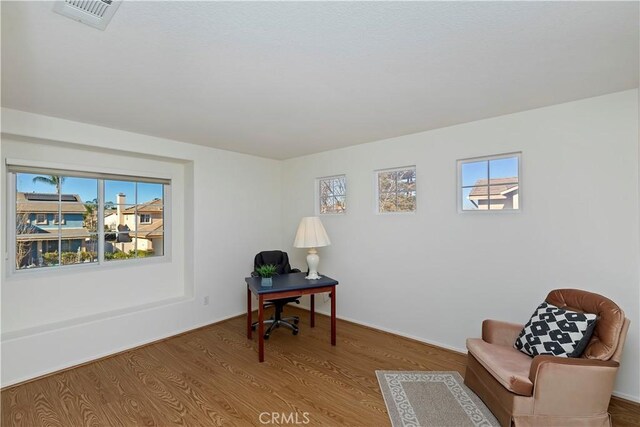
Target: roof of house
pixel 47 203
pixel 65 234
pixel 154 205
pixel 151 230
pixel 495 187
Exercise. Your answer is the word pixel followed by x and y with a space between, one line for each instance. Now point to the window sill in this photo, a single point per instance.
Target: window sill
pixel 488 211
pixel 396 213
pixel 86 267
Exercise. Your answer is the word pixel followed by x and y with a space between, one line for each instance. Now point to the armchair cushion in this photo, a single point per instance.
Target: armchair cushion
pixel 498 332
pixel 506 364
pixel 556 331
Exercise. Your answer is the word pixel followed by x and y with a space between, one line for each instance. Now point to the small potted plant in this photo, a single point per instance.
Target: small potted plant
pixel 266 271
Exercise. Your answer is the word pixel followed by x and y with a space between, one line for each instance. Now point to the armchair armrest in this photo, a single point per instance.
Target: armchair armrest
pixel 501 333
pixel 539 361
pixel 568 386
pixel 295 270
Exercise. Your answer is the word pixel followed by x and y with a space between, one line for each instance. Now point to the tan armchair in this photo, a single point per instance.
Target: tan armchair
pixel 549 390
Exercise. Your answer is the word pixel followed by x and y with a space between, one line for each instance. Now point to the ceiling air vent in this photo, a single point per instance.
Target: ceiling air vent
pixel 95 13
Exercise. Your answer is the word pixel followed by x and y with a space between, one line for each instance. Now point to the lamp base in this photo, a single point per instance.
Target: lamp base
pixel 312 261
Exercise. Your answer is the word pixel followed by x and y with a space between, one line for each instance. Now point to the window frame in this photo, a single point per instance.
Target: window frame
pixel 13 167
pixel 45 221
pixel 376 190
pixel 459 189
pixel 318 183
pixel 146 215
pixel 55 222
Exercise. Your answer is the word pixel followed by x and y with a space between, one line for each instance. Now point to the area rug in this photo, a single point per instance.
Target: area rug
pixel 432 399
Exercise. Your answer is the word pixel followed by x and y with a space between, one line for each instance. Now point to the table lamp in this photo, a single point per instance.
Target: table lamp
pixel 311 234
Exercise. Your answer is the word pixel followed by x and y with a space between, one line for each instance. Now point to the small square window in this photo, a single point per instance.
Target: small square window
pixel 396 190
pixel 41 218
pixel 145 219
pixel 332 194
pixel 55 219
pixel 490 183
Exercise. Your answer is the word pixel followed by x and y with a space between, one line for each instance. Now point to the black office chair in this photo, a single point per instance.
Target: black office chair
pixel 281 261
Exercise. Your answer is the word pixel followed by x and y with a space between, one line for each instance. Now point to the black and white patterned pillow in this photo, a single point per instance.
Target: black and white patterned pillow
pixel 556 331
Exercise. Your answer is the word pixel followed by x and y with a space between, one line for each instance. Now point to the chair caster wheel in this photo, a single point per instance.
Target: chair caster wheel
pixel 295 332
pixel 253 328
pixel 266 337
pixel 296 321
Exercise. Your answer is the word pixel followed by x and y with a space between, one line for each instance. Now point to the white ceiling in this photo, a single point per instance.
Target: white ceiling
pixel 286 79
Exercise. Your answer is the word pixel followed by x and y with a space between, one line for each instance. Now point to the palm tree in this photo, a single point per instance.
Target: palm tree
pixel 51 180
pixel 90 217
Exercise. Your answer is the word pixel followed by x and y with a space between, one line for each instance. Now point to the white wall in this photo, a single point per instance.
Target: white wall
pixel 62 318
pixel 435 275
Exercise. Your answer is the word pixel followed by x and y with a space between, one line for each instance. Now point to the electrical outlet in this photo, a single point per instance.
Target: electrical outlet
pixel 206 300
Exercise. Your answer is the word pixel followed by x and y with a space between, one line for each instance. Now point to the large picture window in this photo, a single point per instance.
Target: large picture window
pixel 64 219
pixel 490 183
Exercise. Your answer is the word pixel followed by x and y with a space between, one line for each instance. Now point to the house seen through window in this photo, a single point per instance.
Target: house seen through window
pixel 134 219
pixel 490 183
pixel 59 222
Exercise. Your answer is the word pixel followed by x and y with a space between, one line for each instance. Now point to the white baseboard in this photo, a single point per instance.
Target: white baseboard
pixel 626 396
pixel 391 331
pixel 243 312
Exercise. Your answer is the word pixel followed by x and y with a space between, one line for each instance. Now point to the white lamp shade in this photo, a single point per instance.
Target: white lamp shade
pixel 311 234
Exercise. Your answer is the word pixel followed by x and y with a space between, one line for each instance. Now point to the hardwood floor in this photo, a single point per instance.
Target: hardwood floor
pixel 211 376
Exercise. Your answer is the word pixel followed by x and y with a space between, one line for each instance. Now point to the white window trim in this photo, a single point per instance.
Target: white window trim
pixel 44 222
pixel 317 195
pixel 460 162
pixel 146 222
pixel 64 221
pixel 376 189
pixel 101 264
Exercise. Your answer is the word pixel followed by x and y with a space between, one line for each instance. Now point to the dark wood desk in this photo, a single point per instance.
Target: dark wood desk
pixel 286 286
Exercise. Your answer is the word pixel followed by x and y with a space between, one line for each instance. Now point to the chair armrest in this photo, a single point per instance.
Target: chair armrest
pixel 500 333
pixel 295 270
pixel 568 386
pixel 254 274
pixel 539 361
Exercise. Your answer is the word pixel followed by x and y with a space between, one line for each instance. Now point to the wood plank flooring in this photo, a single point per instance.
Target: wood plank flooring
pixel 211 377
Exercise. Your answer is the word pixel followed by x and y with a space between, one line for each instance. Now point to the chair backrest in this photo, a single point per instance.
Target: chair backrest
pixel 278 258
pixel 610 323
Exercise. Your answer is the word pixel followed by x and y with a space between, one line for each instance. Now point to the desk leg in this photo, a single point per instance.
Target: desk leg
pixel 312 319
pixel 333 316
pixel 261 328
pixel 248 313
